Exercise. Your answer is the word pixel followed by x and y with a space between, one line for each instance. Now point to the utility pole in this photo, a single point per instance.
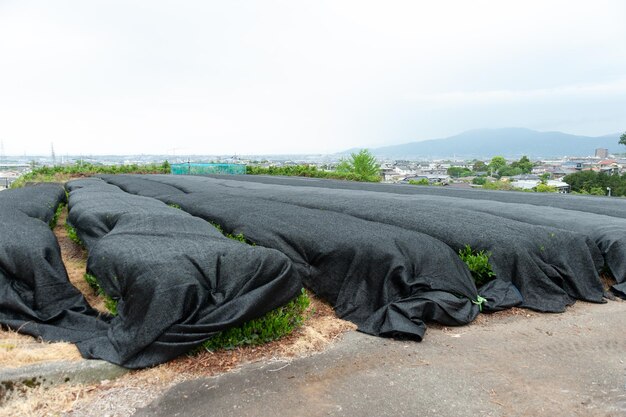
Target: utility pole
pixel 52 155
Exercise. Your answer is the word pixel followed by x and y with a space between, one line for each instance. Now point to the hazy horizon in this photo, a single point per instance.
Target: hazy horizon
pixel 331 154
pixel 277 77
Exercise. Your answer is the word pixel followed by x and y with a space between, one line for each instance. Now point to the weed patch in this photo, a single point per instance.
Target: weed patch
pixel 71 233
pixel 55 218
pixel 64 173
pixel 422 181
pixel 238 237
pixel 478 264
pixel 272 326
pixel 312 172
pixel 109 302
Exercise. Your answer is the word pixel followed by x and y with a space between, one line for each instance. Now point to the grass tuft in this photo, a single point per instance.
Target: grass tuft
pixel 238 237
pixel 55 219
pixel 109 302
pixel 478 264
pixel 71 233
pixel 272 326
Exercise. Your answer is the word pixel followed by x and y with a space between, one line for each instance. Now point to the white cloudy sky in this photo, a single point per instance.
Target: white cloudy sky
pixel 226 77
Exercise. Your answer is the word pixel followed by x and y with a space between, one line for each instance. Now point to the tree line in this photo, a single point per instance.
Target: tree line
pixel 361 166
pixel 596 183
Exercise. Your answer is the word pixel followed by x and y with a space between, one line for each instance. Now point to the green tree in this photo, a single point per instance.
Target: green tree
pixel 582 181
pixel 479 166
pixel 524 164
pixel 510 171
pixel 622 139
pixel 457 172
pixel 496 163
pixel 363 164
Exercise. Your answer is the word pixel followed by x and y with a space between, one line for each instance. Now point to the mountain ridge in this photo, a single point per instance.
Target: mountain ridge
pixel 508 142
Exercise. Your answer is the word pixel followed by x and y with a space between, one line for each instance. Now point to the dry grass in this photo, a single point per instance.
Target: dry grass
pixel 41 402
pixel 138 388
pixel 321 328
pixel 19 350
pixel 607 281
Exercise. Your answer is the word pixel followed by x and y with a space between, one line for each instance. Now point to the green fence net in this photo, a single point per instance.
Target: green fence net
pixel 205 169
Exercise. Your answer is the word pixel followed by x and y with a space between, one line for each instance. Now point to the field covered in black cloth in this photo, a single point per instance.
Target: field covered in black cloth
pixel 609 206
pixel 386 279
pixel 36 296
pixel 602 219
pixel 177 279
pixel 538 266
pixel 385 259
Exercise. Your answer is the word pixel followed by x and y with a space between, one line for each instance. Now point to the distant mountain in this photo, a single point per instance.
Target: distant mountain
pixel 508 142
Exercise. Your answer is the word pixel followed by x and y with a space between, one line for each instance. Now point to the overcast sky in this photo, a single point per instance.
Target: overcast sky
pixel 241 77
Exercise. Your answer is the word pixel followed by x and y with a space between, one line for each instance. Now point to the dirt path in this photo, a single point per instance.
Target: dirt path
pixel 570 364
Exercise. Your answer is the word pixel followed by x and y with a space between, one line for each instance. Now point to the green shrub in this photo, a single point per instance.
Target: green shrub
pixel 499 185
pixel 478 264
pixel 55 219
pixel 544 188
pixel 272 326
pixel 423 181
pixel 597 191
pixel 310 171
pixel 92 281
pixel 109 302
pixel 238 237
pixel 63 173
pixel 479 181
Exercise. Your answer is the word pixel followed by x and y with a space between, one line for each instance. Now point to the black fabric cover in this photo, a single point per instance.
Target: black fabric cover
pixel 177 278
pixel 606 232
pixel 386 279
pixel 38 201
pixel 550 267
pixel 609 206
pixel 599 218
pixel 36 296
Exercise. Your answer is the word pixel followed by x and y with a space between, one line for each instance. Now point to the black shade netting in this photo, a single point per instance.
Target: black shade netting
pixel 178 281
pixel 36 296
pixel 551 267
